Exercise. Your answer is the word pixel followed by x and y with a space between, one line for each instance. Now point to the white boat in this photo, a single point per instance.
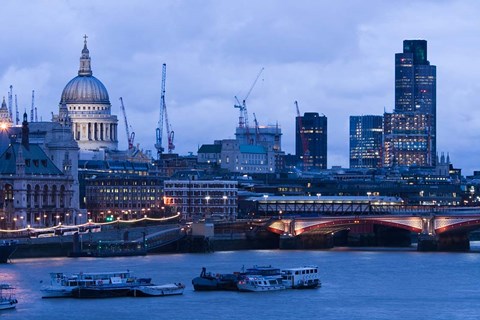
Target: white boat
pixel 301 277
pixel 158 290
pixel 7 297
pixel 62 285
pixel 258 283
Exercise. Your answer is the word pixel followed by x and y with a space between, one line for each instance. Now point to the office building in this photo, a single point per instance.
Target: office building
pixel 410 131
pixel 366 137
pixel 311 141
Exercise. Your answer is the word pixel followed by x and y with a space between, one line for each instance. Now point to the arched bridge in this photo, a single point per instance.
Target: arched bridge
pixel 426 225
pixel 448 231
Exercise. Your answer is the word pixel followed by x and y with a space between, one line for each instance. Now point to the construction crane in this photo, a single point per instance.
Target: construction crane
pixel 164 117
pixel 305 151
pixel 130 137
pixel 10 96
pixel 170 133
pixel 243 118
pixel 257 130
pixel 17 115
pixel 33 106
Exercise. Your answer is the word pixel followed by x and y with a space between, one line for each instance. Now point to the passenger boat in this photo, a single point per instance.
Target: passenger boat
pixel 62 285
pixel 256 283
pixel 7 297
pixel 301 278
pixel 261 278
pixel 116 286
pixel 208 281
pixel 7 248
pixel 170 289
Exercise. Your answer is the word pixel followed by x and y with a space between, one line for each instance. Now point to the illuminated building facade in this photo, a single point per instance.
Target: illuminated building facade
pixel 311 141
pixel 410 131
pixel 199 199
pixel 366 137
pixel 124 196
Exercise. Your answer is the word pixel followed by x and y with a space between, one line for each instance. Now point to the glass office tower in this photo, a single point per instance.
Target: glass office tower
pixel 410 131
pixel 366 137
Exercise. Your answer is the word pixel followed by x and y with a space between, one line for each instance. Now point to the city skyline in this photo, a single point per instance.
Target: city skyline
pixel 338 59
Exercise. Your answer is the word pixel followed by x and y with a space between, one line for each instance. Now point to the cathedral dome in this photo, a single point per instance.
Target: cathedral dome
pixel 85 89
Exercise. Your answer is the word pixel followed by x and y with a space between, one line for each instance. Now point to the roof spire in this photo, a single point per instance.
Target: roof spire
pixel 85 64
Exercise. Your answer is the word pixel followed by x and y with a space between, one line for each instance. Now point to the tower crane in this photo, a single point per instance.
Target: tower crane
pixel 303 139
pixel 243 118
pixel 10 97
pixel 130 137
pixel 33 106
pixel 257 130
pixel 17 115
pixel 164 116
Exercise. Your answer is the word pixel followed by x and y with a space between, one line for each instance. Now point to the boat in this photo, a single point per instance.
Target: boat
pixel 208 281
pixel 261 278
pixel 7 249
pixel 301 278
pixel 62 285
pixel 257 283
pixel 170 289
pixel 7 297
pixel 116 286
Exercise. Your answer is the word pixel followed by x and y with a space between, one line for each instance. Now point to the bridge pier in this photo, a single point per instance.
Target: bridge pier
pixel 427 242
pixel 444 242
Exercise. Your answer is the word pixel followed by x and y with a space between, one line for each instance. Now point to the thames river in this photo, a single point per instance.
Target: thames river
pixel 356 284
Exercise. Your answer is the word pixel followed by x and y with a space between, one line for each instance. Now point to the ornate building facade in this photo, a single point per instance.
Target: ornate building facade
pixel 85 99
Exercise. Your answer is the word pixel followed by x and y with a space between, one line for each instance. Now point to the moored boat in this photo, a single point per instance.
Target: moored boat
pixel 7 297
pixel 257 283
pixel 209 282
pixel 261 278
pixel 158 290
pixel 114 287
pixel 301 278
pixel 62 285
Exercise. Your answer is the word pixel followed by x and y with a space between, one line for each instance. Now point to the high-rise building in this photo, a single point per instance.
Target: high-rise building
pixel 410 131
pixel 366 137
pixel 311 141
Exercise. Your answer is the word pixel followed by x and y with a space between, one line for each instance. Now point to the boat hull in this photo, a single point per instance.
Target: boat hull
pixel 101 292
pixel 8 304
pixel 48 293
pixel 157 291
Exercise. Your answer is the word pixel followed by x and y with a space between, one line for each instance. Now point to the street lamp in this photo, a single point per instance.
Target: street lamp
pixel 206 200
pixel 225 209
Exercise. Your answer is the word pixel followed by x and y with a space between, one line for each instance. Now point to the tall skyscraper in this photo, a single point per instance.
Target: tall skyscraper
pixel 410 131
pixel 311 141
pixel 366 137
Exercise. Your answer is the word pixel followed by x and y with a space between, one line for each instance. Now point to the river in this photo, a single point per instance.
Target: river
pixel 356 284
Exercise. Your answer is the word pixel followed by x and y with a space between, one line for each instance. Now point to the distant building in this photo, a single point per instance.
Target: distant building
pixel 38 182
pixel 230 155
pixel 366 138
pixel 410 131
pixel 311 141
pixel 200 199
pixel 85 99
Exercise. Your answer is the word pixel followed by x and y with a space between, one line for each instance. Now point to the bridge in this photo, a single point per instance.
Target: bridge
pixel 162 238
pixel 444 230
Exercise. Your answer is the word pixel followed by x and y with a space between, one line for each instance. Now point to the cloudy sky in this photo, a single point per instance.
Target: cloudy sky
pixel 333 57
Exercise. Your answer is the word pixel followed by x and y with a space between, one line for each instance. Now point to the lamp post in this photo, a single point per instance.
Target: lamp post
pixel 207 208
pixel 225 209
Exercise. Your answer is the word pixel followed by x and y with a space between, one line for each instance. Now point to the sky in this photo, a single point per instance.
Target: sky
pixel 333 57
